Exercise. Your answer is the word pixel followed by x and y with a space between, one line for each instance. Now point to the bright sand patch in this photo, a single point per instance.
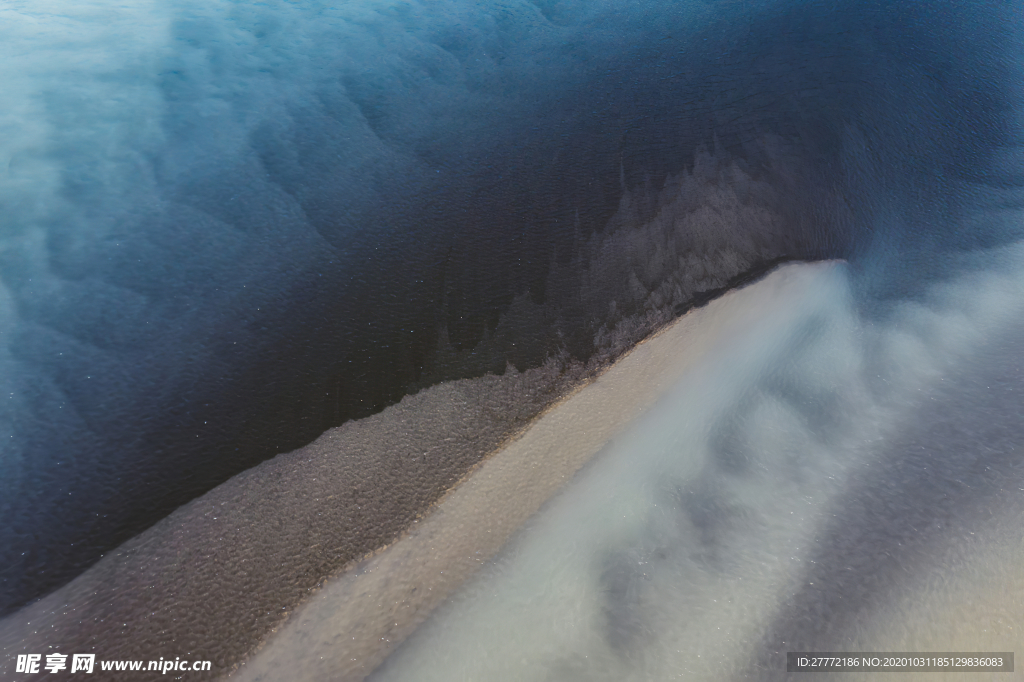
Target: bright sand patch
pixel 349 626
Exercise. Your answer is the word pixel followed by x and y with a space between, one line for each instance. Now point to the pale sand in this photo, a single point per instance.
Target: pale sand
pixel 348 627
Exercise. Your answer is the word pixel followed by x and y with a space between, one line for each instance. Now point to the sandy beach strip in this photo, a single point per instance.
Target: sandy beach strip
pixel 350 625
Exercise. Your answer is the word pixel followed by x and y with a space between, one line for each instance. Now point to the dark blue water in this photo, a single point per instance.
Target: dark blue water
pixel 227 228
